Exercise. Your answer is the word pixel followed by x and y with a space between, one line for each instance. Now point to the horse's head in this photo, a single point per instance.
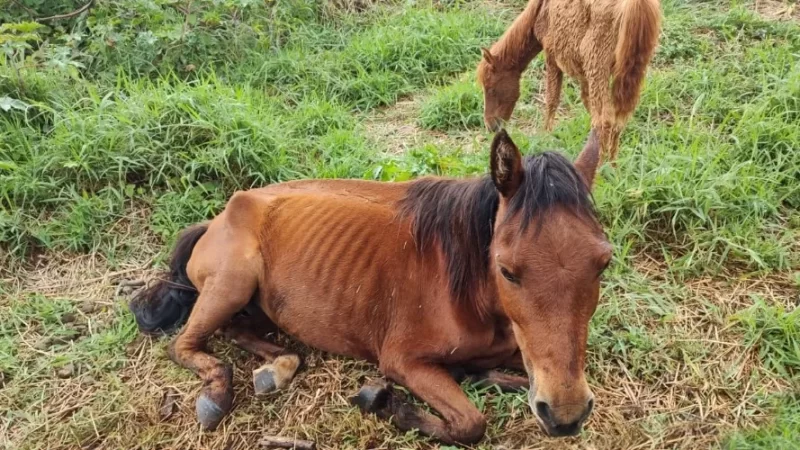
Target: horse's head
pixel 500 90
pixel 547 255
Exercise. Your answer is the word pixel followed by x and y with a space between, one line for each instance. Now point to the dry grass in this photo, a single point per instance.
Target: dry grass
pixel 666 402
pixel 395 130
pixel 778 9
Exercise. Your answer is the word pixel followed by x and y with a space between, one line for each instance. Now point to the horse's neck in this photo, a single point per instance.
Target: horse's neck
pixel 519 44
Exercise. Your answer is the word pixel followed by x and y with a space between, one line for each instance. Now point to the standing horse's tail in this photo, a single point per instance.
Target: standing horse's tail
pixel 639 25
pixel 166 305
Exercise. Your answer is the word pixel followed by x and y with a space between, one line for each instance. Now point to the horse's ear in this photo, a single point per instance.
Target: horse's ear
pixel 586 163
pixel 506 165
pixel 487 56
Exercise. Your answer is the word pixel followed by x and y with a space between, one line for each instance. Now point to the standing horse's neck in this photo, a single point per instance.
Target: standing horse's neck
pixel 519 45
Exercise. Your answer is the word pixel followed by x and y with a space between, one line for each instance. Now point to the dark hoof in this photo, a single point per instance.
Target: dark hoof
pixel 373 396
pixel 209 414
pixel 278 375
pixel 264 382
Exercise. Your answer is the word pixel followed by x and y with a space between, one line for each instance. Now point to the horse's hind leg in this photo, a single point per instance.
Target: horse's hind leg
pixel 220 298
pixel 552 92
pixel 597 52
pixel 585 95
pixel 614 132
pixel 485 378
pixel 506 382
pixel 280 366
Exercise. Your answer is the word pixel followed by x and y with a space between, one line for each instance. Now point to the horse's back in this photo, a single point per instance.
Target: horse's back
pixel 572 30
pixel 377 191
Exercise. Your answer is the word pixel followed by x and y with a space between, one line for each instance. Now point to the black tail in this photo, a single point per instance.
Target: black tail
pixel 165 306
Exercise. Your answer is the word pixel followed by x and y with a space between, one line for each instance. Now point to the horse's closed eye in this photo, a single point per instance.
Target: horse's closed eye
pixel 509 276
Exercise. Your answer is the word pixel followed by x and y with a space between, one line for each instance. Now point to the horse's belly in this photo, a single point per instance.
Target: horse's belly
pixel 565 32
pixel 314 319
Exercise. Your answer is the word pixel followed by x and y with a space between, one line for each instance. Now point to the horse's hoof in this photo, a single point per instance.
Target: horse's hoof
pixel 209 413
pixel 264 380
pixel 277 375
pixel 373 396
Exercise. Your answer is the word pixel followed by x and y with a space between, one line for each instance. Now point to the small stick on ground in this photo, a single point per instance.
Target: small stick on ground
pixel 128 286
pixel 284 442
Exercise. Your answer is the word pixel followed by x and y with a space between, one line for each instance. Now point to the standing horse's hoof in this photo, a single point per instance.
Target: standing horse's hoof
pixel 373 396
pixel 209 413
pixel 277 375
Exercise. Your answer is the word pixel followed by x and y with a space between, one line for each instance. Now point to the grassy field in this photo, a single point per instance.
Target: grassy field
pixel 121 126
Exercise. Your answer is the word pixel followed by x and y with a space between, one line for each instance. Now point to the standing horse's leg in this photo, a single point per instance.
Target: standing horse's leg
pixel 600 101
pixel 433 384
pixel 552 92
pixel 614 133
pixel 585 95
pixel 219 300
pixel 597 51
pixel 280 366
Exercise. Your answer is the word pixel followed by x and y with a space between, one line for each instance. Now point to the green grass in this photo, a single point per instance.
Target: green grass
pixel 86 152
pixel 775 333
pixel 125 126
pixel 783 432
pixel 458 105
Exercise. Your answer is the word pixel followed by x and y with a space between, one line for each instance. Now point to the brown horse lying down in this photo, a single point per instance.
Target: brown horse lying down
pixel 427 278
pixel 592 41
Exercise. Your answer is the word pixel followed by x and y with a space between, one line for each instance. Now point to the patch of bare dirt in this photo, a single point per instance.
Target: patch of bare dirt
pixel 395 127
pixel 778 9
pixel 395 130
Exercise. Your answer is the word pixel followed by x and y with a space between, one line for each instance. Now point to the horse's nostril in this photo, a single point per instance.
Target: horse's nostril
pixel 590 407
pixel 544 413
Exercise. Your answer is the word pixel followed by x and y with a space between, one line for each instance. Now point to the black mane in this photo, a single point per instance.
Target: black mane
pixel 459 215
pixel 550 180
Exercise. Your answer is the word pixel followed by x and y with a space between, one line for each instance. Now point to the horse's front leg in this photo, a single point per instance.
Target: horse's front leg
pixel 433 384
pixel 216 305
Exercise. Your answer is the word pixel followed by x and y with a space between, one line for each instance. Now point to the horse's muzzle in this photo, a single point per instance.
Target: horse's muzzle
pixel 494 124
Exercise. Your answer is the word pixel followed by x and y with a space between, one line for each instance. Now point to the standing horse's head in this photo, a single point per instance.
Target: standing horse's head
pixel 547 255
pixel 500 90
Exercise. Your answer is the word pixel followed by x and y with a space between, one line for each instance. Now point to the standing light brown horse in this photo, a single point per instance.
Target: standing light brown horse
pixel 592 41
pixel 428 278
